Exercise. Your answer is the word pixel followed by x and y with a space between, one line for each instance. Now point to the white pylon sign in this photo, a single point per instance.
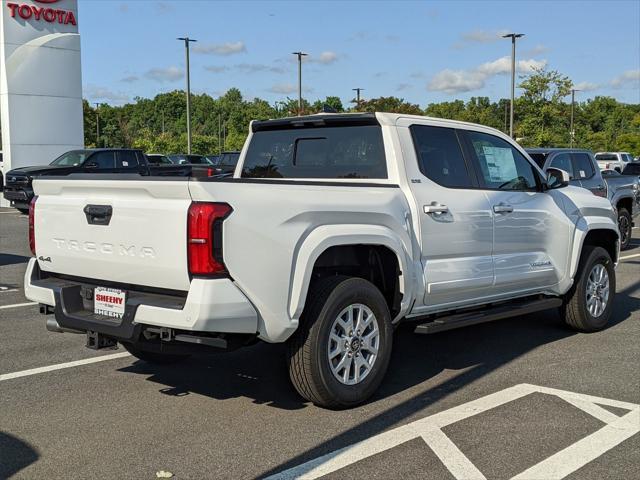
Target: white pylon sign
pixel 40 81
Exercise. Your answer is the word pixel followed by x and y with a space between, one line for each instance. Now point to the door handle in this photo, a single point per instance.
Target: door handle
pixel 98 214
pixel 435 208
pixel 502 208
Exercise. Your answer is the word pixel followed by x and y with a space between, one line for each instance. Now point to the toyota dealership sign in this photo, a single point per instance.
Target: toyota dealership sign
pixel 39 39
pixel 42 13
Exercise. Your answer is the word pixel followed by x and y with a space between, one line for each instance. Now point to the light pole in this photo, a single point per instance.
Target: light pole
pixel 300 55
pixel 186 41
pixel 572 132
pixel 357 90
pixel 513 37
pixel 97 124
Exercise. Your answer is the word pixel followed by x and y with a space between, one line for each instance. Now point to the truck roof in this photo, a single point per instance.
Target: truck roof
pixel 337 119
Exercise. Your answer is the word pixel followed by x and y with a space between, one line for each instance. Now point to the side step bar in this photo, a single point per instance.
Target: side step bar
pixel 498 312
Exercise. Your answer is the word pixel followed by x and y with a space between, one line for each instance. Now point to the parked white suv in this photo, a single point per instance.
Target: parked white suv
pixel 332 230
pixel 613 160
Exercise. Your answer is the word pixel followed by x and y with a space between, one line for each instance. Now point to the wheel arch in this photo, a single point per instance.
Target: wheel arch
pixel 327 237
pixel 603 234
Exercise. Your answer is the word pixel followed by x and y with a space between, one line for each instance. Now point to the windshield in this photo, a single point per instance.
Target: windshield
pixel 606 157
pixel 71 159
pixel 229 159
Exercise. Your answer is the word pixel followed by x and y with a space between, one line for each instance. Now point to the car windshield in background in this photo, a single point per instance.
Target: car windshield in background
pixel 325 152
pixel 158 160
pixel 631 169
pixel 229 159
pixel 606 157
pixel 189 160
pixel 539 158
pixel 71 159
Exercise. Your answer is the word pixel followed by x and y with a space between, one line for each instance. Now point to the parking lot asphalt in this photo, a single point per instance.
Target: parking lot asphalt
pixel 523 396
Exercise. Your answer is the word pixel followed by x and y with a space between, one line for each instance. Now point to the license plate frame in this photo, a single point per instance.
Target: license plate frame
pixel 109 302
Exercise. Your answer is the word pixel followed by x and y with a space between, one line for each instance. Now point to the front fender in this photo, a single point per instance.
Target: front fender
pixel 326 236
pixel 583 227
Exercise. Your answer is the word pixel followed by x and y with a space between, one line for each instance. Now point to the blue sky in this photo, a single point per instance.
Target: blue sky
pixel 422 51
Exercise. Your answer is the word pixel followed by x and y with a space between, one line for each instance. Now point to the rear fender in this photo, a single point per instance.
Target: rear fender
pixel 324 237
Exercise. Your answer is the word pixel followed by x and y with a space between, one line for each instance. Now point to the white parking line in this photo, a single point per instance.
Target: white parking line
pixel 630 256
pixel 557 466
pixel 61 366
pixel 16 305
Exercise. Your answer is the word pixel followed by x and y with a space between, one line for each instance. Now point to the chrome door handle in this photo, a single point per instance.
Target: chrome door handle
pixel 435 208
pixel 502 208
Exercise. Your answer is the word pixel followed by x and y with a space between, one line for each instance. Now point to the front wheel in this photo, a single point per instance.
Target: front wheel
pixel 588 305
pixel 153 357
pixel 340 353
pixel 625 226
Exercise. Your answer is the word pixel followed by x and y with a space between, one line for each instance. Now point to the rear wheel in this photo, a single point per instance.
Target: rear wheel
pixel 588 304
pixel 624 225
pixel 340 353
pixel 153 357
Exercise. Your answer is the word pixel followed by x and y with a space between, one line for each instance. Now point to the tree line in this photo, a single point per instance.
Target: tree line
pixel 542 118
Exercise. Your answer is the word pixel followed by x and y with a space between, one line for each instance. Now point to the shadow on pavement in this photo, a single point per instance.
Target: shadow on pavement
pixel 14 455
pixel 11 259
pixel 260 372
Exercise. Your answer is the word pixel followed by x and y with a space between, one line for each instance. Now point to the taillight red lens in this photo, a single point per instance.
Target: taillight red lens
pixel 204 237
pixel 32 219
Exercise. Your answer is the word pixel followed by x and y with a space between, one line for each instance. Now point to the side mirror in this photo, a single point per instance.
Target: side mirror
pixel 557 178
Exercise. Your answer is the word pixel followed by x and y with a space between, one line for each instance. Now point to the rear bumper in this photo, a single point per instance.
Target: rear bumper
pixel 210 306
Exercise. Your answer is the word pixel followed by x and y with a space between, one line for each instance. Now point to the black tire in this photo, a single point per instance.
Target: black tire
pixel 307 354
pixel 155 358
pixel 574 310
pixel 625 226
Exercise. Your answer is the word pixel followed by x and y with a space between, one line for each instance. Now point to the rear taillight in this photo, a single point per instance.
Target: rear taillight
pixel 204 237
pixel 32 219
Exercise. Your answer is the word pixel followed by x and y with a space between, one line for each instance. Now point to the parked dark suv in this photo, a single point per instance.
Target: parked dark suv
pixel 18 182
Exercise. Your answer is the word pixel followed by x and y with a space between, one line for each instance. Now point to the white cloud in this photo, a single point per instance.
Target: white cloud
pixel 586 86
pixel 169 74
pixel 479 36
pixel 224 49
pixel 631 77
pixel 130 79
pixel 103 94
pixel 288 89
pixel 324 58
pixel 258 67
pixel 535 51
pixel 457 81
pixel 216 68
pixel 483 36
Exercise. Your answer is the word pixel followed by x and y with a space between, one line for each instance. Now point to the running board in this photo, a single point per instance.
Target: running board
pixel 504 310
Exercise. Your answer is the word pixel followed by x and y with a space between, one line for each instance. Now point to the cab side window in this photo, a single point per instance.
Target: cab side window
pixel 440 156
pixel 127 159
pixel 501 166
pixel 584 166
pixel 563 162
pixel 101 160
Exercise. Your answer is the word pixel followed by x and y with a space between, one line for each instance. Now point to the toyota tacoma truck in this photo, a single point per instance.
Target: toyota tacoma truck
pixel 331 231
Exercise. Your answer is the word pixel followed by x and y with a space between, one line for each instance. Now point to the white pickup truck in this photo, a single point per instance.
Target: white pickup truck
pixel 332 230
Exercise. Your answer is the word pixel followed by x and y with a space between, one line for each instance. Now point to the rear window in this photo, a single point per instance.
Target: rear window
pixel 326 152
pixel 228 159
pixel 127 159
pixel 606 157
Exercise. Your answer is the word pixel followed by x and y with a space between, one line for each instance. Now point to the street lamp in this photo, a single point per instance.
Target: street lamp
pixel 357 90
pixel 97 124
pixel 186 41
pixel 572 132
pixel 513 37
pixel 300 55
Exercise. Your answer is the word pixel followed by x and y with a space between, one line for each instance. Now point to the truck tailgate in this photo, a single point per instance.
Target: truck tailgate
pixel 142 242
